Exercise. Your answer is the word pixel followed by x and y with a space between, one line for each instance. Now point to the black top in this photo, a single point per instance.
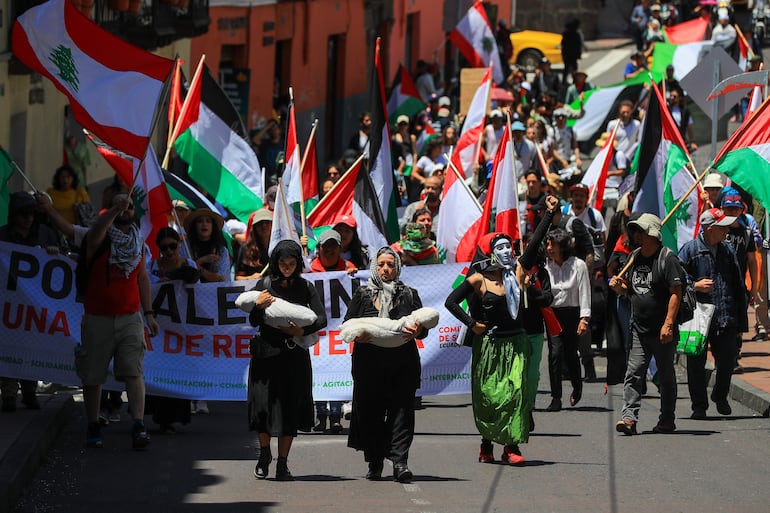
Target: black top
pixel 649 290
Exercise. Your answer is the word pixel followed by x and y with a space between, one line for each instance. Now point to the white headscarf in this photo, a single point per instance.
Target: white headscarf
pixel 380 290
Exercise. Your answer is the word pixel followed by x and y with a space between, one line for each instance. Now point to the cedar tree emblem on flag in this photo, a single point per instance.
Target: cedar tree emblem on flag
pixel 61 56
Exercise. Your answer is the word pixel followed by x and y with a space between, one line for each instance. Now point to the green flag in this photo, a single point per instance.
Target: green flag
pixel 6 170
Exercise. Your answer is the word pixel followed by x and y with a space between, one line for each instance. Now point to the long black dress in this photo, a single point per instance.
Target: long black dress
pixel 384 383
pixel 280 396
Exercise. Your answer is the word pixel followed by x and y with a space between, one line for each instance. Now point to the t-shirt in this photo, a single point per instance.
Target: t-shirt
pixel 649 291
pixel 742 241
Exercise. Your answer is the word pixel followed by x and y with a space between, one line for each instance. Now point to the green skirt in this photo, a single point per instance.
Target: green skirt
pixel 499 388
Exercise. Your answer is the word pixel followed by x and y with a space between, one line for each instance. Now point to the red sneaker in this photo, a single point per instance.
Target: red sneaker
pixel 486 455
pixel 512 456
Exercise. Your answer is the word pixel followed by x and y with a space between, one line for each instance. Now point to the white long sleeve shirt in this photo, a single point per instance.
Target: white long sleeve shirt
pixel 570 285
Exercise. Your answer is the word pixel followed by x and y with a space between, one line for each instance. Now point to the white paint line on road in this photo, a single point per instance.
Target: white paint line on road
pixel 608 61
pixel 421 502
pixel 412 488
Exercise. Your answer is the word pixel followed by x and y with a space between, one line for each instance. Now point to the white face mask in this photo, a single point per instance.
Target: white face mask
pixel 503 253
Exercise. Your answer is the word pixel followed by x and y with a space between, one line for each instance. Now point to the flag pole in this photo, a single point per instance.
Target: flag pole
pixel 183 112
pixel 18 169
pixel 172 106
pixel 670 213
pixel 301 172
pixel 461 179
pixel 749 51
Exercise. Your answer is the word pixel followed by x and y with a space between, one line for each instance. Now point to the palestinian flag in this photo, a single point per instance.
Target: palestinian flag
pixel 113 87
pixel 663 177
pixel 178 189
pixel 380 166
pixel 686 32
pixel 214 143
pixel 404 98
pixel 309 172
pixel 601 104
pixel 353 194
pixel 6 170
pixel 745 157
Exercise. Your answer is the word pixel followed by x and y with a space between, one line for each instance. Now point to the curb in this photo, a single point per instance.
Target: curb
pixel 22 459
pixel 608 44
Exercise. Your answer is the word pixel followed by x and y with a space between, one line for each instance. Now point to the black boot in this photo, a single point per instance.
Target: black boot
pixel 321 426
pixel 263 463
pixel 335 426
pixel 401 473
pixel 375 470
pixel 282 470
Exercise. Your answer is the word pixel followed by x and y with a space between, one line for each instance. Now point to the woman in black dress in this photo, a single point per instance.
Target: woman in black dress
pixel 385 379
pixel 280 398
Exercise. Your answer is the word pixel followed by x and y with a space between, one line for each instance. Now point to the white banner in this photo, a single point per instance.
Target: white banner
pixel 202 350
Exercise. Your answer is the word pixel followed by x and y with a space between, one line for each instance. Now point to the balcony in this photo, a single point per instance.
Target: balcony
pixel 150 24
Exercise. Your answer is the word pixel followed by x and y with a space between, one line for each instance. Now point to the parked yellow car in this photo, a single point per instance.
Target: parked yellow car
pixel 530 46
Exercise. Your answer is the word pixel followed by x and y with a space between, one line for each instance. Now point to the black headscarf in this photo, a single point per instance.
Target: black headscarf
pixel 285 249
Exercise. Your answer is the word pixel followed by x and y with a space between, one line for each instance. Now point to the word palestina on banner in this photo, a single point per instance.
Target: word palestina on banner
pixel 202 350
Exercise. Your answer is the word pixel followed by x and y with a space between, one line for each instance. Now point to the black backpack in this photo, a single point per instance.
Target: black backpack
pixel 688 304
pixel 83 267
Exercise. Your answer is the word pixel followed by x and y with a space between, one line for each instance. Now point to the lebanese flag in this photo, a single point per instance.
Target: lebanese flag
pixel 754 102
pixel 501 207
pixel 352 195
pixel 149 192
pixel 745 157
pixel 744 52
pixel 112 86
pixel 459 211
pixel 284 227
pixel 291 180
pixel 687 32
pixel 404 98
pixel 475 39
pixel 465 153
pixel 596 175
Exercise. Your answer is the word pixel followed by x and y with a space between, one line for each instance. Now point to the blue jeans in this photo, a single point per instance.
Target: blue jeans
pixel 643 348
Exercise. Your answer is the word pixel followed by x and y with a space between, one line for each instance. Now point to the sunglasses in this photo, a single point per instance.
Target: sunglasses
pixel 168 247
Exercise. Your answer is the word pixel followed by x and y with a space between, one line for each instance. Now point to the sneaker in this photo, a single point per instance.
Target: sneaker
pixel 335 426
pixel 282 472
pixel 202 407
pixel 104 418
pixel 626 426
pixel 320 426
pixel 512 456
pixel 485 454
pixel 139 437
pixel 94 437
pixel 263 463
pixel 760 337
pixel 347 409
pixel 114 416
pixel 664 427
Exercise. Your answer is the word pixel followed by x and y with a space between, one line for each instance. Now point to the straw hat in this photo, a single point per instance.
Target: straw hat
pixel 202 212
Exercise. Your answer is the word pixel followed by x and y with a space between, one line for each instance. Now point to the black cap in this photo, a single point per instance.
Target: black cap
pixel 21 200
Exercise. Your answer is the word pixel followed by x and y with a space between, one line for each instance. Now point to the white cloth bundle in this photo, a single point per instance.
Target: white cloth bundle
pixel 387 332
pixel 280 313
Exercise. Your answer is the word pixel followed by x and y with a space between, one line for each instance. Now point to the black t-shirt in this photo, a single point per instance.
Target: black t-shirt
pixel 741 240
pixel 649 290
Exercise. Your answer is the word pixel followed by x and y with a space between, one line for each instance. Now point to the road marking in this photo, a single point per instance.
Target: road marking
pixel 412 488
pixel 608 61
pixel 421 502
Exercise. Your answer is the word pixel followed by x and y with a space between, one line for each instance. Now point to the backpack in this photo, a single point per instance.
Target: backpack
pixel 596 235
pixel 688 304
pixel 84 266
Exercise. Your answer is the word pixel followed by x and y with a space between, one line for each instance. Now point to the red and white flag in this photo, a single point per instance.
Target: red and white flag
pixel 596 175
pixel 466 152
pixel 501 207
pixel 459 211
pixel 754 102
pixel 113 87
pixel 291 180
pixel 475 39
pixel 150 194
